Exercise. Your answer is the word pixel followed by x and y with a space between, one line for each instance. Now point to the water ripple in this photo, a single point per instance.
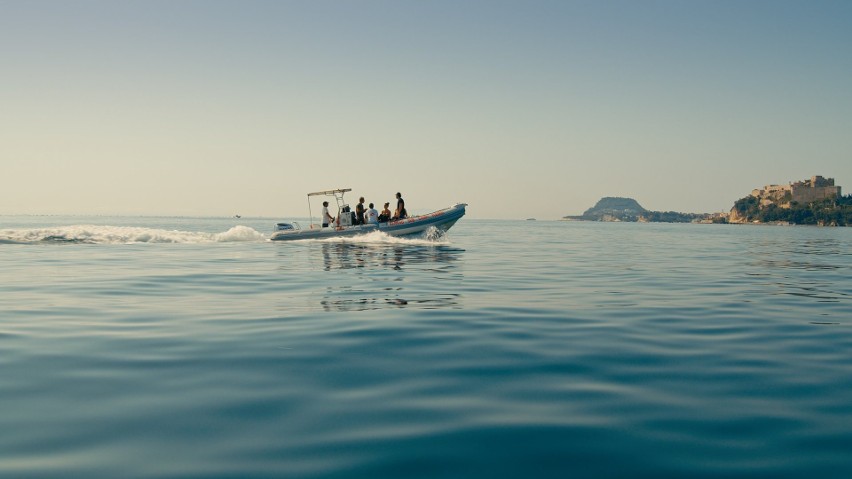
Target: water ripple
pixel 506 349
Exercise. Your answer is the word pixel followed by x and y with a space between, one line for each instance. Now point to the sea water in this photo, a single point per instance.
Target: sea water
pixel 194 347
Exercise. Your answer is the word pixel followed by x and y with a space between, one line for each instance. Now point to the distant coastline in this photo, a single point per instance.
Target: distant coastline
pixel 816 201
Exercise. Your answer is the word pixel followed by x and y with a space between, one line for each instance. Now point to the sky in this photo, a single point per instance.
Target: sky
pixel 518 108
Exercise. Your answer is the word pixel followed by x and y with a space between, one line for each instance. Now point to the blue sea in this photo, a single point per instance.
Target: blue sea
pixel 192 347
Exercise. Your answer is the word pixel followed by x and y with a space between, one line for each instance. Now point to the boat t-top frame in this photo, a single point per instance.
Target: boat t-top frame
pixel 336 194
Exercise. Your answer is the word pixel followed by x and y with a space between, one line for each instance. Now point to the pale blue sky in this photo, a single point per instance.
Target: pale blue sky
pixel 521 108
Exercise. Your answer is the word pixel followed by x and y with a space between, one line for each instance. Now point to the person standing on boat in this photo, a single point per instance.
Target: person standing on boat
pixel 359 212
pixel 400 213
pixel 327 219
pixel 372 215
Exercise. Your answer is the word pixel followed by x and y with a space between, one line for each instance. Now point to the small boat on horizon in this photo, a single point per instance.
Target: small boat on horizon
pixel 345 224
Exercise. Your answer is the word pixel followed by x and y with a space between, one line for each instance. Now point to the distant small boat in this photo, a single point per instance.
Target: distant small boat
pixel 237 216
pixel 440 220
pixel 530 219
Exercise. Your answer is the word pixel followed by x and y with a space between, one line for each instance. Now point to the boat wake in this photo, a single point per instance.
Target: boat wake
pixel 427 238
pixel 99 234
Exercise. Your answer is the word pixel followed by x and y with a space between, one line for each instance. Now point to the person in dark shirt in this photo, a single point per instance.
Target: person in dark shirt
pixel 400 212
pixel 385 215
pixel 359 212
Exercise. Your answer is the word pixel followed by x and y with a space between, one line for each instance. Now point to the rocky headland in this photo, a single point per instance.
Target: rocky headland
pixel 816 201
pixel 613 208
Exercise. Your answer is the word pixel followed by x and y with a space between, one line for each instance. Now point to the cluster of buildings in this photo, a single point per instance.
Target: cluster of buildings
pixel 814 189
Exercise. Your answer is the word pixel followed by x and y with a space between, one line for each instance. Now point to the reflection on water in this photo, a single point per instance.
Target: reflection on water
pixel 329 303
pixel 353 255
pixel 375 276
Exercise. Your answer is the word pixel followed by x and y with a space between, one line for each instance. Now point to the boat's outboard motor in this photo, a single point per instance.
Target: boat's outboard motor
pixel 284 226
pixel 346 217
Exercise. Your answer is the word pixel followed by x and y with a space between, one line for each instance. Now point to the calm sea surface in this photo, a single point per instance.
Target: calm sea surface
pixel 187 347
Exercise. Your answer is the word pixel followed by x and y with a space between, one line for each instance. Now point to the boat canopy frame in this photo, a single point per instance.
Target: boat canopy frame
pixel 339 191
pixel 336 194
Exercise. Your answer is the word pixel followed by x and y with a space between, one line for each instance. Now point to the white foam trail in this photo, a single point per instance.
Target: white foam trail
pixel 240 233
pixel 380 237
pixel 97 234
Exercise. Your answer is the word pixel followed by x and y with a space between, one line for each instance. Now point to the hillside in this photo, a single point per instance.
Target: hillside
pixel 813 201
pixel 614 209
pixel 627 209
pixel 825 212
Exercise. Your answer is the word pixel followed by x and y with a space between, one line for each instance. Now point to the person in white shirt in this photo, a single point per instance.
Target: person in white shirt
pixel 372 215
pixel 327 219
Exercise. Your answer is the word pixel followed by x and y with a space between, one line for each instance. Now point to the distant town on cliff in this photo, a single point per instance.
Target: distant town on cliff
pixel 817 201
